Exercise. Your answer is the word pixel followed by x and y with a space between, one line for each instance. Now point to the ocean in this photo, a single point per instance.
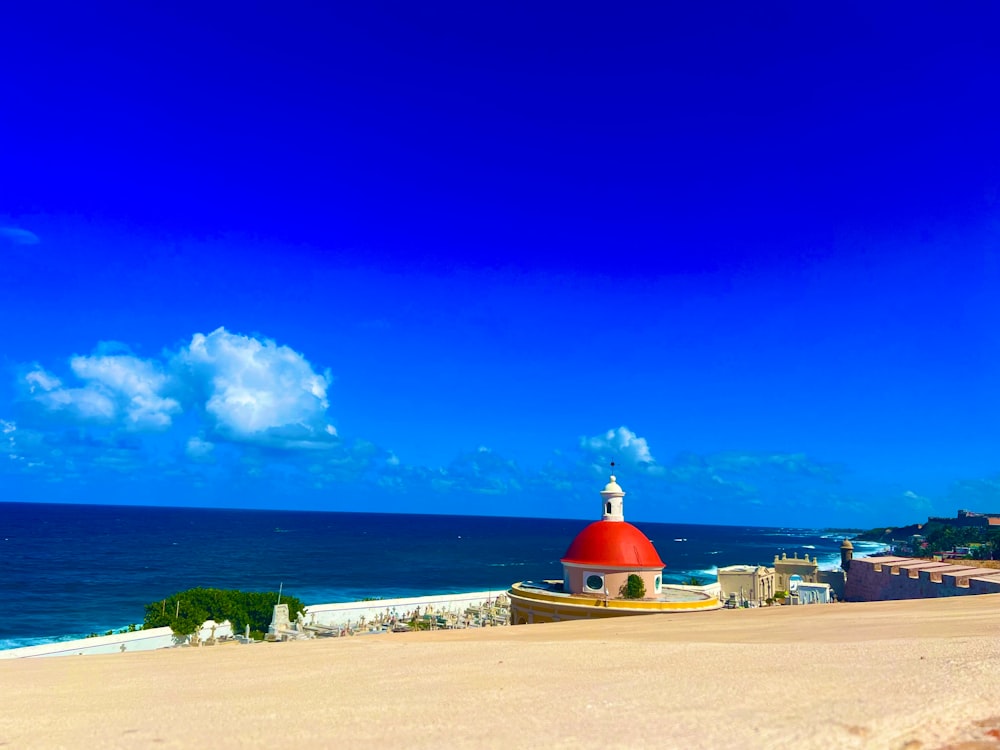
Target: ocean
pixel 70 570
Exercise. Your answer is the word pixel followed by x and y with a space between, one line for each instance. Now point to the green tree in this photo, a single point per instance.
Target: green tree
pixel 633 588
pixel 185 612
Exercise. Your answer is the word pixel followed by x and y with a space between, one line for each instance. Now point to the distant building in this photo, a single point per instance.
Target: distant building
pixel 967 518
pixel 746 584
pixel 800 577
pixel 812 593
pixel 596 568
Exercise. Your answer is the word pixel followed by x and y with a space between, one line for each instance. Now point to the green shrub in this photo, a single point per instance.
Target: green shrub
pixel 633 588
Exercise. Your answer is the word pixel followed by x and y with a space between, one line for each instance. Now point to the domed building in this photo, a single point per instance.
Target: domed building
pixel 610 569
pixel 604 554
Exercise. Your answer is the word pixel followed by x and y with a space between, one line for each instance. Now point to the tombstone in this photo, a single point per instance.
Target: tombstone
pixel 279 622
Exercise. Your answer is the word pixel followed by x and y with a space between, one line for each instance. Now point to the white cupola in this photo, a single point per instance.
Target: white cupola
pixel 613 507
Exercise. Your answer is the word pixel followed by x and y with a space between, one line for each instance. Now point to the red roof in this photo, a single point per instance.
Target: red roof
pixel 614 543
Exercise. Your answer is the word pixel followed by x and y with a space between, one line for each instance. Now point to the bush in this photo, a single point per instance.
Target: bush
pixel 633 588
pixel 185 612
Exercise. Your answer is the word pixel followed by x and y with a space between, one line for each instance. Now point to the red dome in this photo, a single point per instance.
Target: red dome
pixel 612 543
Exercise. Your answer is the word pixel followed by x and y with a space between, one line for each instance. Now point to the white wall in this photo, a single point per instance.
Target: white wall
pixel 140 640
pixel 344 613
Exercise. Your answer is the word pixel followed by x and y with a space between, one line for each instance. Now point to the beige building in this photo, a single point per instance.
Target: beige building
pixel 785 567
pixel 757 583
pixel 746 583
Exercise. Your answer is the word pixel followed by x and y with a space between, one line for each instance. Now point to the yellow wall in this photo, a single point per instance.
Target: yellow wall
pixel 529 607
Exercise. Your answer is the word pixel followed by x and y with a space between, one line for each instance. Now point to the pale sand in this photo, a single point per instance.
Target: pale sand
pixel 916 674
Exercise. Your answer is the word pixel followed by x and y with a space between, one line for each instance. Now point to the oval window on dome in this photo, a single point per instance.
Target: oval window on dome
pixel 596 583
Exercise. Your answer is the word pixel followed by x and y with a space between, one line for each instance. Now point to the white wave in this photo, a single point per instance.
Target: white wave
pixel 709 573
pixel 7 643
pixel 829 561
pixel 870 549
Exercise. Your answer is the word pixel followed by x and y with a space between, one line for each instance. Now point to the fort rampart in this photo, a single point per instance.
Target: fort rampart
pixel 880 578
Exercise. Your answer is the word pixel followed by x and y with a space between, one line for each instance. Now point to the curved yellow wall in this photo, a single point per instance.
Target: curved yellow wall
pixel 529 606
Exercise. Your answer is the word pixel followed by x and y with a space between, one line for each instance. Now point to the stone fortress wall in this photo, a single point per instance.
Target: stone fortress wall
pixel 885 578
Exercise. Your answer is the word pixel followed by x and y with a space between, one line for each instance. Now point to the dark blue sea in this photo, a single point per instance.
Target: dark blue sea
pixel 69 570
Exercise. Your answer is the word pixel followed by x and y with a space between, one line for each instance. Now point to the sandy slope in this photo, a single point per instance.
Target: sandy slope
pixel 918 674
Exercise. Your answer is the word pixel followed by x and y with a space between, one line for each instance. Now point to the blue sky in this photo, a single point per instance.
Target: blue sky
pixel 454 259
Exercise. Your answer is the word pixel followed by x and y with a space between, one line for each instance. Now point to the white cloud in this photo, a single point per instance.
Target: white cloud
pixel 116 388
pixel 7 430
pixel 247 390
pixel 85 404
pixel 135 384
pixel 258 392
pixel 19 236
pixel 39 379
pixel 622 445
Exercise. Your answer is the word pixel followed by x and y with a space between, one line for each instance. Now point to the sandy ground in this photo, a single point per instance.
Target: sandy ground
pixel 916 675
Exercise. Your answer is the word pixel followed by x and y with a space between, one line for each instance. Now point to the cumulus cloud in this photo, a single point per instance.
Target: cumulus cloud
pixel 18 236
pixel 116 389
pixel 621 445
pixel 256 391
pixel 41 381
pixel 244 390
pixel 136 386
pixel 79 404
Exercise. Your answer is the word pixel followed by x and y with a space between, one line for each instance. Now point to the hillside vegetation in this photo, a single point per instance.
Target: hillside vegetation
pixel 185 612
